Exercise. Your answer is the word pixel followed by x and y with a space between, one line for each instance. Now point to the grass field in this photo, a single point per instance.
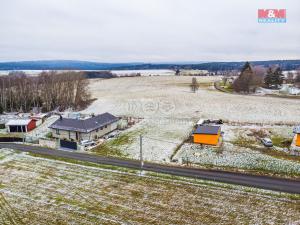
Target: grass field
pixel 42 191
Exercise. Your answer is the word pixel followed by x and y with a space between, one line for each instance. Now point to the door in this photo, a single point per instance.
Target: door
pixel 68 144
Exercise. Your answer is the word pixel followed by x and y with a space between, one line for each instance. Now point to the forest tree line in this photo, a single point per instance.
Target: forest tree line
pixel 49 91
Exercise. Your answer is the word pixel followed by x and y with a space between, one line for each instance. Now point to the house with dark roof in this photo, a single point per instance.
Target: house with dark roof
pixel 207 135
pixel 84 129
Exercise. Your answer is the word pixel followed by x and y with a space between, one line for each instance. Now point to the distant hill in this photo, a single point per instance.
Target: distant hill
pixel 61 65
pixel 85 65
pixel 218 66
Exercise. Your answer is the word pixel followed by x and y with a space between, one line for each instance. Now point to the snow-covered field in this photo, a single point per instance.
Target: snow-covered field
pixel 42 191
pixel 161 72
pixel 145 72
pixel 159 139
pixel 232 131
pixel 170 97
pixel 170 109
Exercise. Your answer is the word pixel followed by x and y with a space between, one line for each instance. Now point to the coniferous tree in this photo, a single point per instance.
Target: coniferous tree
pixel 278 77
pixel 268 78
pixel 274 78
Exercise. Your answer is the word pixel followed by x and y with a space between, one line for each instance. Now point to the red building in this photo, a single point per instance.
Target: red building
pixel 20 125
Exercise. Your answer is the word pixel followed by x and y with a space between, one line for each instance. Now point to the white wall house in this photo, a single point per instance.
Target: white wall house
pixel 84 129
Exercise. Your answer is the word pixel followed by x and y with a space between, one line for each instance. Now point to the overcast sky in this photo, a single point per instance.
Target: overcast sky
pixel 146 30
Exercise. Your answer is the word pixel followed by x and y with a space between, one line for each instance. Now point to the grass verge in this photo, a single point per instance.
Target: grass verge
pixel 114 147
pixel 173 178
pixel 281 141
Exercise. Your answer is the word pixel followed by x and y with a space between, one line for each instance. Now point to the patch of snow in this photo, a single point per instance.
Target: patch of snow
pixel 237 157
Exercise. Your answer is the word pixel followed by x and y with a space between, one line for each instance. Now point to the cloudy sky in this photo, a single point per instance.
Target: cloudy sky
pixel 146 30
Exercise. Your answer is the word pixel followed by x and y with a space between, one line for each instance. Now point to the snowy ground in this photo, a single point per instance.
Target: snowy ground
pixel 170 97
pixel 36 190
pixel 233 129
pixel 243 150
pixel 161 72
pixel 170 109
pixel 237 157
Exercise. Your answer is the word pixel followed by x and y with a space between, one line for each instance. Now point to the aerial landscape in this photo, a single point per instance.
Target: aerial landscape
pixel 146 114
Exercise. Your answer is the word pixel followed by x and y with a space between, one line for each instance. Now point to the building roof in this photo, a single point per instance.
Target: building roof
pixel 38 116
pixel 18 122
pixel 5 118
pixel 86 125
pixel 11 113
pixel 207 130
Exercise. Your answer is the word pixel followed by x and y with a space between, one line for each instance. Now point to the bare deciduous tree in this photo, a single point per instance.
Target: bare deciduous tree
pixel 248 80
pixel 194 85
pixel 49 90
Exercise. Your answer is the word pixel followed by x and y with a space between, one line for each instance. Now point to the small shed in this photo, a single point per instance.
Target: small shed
pixel 208 135
pixel 297 133
pixel 20 125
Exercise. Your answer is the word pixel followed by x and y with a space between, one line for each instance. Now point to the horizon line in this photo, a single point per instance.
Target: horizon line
pixel 144 62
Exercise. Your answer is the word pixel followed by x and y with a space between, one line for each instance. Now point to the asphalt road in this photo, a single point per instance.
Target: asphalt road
pixel 264 182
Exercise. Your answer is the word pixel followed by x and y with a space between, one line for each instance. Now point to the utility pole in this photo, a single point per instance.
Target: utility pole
pixel 141 154
pixel 186 158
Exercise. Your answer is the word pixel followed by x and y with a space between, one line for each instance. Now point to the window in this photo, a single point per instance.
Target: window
pixel 97 130
pixel 105 126
pixel 101 128
pixel 69 134
pixel 57 131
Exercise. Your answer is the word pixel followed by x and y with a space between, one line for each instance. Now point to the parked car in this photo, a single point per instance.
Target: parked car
pixel 87 143
pixel 267 142
pixel 112 134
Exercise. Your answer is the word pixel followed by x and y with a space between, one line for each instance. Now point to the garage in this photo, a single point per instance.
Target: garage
pixel 68 144
pixel 20 125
